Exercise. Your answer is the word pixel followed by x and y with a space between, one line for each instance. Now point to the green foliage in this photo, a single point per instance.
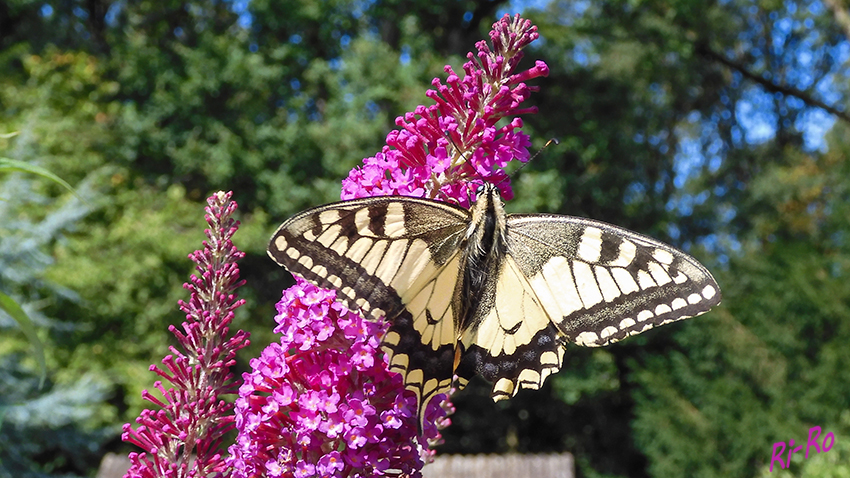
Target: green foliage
pixel 45 428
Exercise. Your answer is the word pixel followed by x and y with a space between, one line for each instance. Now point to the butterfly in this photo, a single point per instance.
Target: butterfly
pixel 478 291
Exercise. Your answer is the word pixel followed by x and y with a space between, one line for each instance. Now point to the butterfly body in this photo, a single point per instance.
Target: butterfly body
pixel 482 291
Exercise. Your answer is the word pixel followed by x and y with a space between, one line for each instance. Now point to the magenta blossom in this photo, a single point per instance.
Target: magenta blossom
pixel 442 147
pixel 322 402
pixel 332 409
pixel 183 437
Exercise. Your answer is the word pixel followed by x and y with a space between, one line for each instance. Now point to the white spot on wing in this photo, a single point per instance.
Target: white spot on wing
pixel 609 288
pixel 587 338
pixel 644 315
pixel 549 359
pixel 694 299
pixel 645 280
pixel 625 280
pixel 505 386
pixel 586 284
pixel 547 299
pixel 662 309
pixel 329 216
pixel 320 271
pixel 359 249
pixel 330 235
pixel 678 303
pixel 400 361
pixel 662 256
pixel 607 332
pixel 391 261
pixel 529 378
pixel 590 247
pixel 414 377
pixel 394 225
pixel 280 243
pixel 557 276
pixel 374 256
pixel 708 292
pixel 626 323
pixel 658 273
pixel 392 337
pixel 625 254
pixel 434 298
pixel 362 222
pixel 340 245
pixel 416 267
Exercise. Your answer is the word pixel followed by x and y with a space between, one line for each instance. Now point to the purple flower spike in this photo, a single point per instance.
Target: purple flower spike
pixel 442 147
pixel 183 437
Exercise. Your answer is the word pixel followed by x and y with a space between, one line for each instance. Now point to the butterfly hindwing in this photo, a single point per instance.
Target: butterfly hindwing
pixel 514 343
pixel 601 283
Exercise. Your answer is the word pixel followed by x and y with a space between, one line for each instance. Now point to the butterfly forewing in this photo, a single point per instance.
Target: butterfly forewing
pixel 600 283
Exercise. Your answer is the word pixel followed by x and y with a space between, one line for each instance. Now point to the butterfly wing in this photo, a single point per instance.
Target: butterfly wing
pixel 513 340
pixel 392 257
pixel 567 279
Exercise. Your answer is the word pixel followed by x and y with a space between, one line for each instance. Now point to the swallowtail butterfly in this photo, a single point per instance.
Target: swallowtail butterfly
pixel 481 291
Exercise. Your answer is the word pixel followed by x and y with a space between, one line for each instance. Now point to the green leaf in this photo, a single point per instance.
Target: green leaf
pixel 8 305
pixel 7 164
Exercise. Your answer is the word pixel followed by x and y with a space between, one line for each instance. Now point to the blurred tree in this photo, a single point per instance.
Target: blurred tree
pixel 774 361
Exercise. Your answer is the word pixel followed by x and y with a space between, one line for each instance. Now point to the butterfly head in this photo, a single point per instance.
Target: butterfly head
pixel 489 190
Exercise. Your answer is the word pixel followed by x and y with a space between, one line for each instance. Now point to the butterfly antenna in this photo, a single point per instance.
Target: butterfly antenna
pixel 510 176
pixel 507 177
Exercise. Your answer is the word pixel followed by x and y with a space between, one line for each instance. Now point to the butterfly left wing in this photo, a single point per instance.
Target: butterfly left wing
pixel 567 279
pixel 393 257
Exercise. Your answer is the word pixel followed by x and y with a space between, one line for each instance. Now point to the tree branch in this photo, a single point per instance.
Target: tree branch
pixel 769 85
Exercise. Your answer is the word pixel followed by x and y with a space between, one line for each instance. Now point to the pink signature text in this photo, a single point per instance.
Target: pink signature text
pixel 812 442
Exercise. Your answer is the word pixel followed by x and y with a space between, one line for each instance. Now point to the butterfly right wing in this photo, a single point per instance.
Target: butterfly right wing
pixel 567 279
pixel 393 257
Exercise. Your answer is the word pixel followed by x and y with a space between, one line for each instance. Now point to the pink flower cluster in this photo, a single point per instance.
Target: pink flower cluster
pixel 440 148
pixel 322 403
pixel 183 437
